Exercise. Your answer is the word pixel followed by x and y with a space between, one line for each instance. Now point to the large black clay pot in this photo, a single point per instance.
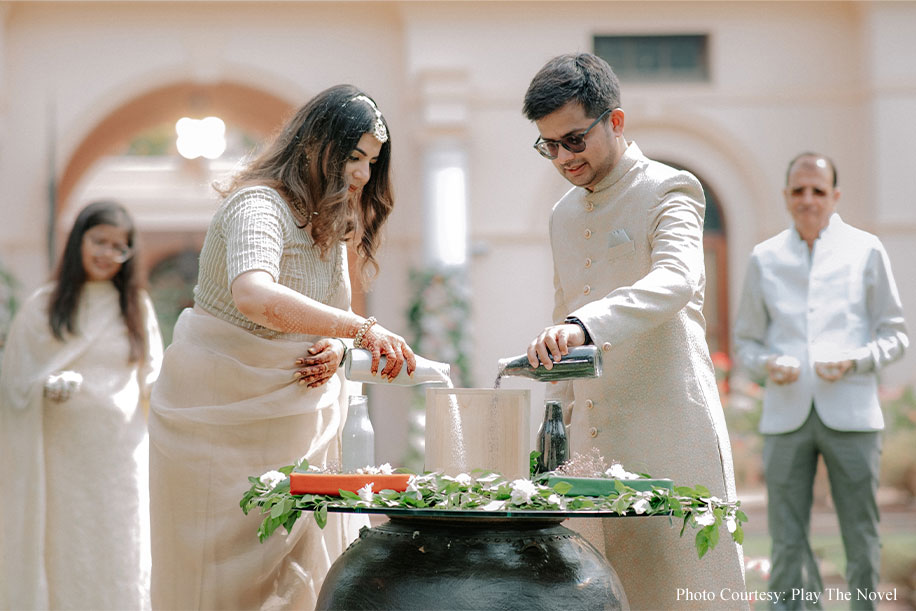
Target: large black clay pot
pixel 484 563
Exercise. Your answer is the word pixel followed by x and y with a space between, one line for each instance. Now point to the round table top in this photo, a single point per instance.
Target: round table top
pixel 474 514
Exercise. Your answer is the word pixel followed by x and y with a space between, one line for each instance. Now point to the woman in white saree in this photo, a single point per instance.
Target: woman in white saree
pixel 251 380
pixel 80 357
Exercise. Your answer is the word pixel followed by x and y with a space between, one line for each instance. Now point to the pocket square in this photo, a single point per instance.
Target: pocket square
pixel 617 236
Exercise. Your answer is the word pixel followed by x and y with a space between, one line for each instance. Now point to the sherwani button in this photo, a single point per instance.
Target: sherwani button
pixel 589 404
pixel 588 262
pixel 588 233
pixel 593 432
pixel 589 206
pixel 606 346
pixel 587 290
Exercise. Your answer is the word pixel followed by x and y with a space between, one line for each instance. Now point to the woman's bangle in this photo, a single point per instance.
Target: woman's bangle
pixel 363 329
pixel 344 356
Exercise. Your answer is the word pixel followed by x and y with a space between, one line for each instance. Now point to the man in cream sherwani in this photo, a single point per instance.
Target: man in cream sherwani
pixel 819 316
pixel 627 246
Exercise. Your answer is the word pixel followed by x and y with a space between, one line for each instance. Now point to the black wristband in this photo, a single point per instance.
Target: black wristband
pixel 572 320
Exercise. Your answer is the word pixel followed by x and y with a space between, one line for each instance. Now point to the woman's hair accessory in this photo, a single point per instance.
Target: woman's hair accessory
pixel 378 130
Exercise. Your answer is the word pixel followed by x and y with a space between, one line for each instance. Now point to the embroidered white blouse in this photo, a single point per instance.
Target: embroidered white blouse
pixel 255 230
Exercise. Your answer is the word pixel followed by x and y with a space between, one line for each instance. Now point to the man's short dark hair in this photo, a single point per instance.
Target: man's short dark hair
pixel 813 156
pixel 582 77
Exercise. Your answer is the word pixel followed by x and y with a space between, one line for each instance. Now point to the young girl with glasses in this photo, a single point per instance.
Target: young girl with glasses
pixel 81 355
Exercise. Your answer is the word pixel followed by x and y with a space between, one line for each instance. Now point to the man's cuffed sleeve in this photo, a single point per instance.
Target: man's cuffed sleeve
pixel 751 324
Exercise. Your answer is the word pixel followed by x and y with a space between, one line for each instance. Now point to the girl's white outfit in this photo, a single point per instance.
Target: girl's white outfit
pixel 74 523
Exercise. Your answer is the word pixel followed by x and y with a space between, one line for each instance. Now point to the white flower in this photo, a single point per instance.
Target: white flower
pixel 618 472
pixel 271 479
pixel 59 387
pixel 641 506
pixel 384 469
pixel 522 491
pixel 494 506
pixel 495 486
pixel 365 493
pixel 413 484
pixel 462 478
pixel 426 482
pixel 488 478
pixel 707 518
pixel 557 500
pixel 731 524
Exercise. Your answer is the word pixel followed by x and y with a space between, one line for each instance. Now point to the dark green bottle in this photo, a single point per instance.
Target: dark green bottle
pixel 581 362
pixel 552 442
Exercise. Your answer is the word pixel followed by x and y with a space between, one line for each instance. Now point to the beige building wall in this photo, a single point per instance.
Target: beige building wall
pixel 836 77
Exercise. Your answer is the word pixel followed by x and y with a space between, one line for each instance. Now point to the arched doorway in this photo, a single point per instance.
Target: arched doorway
pixel 252 110
pixel 715 251
pixel 172 288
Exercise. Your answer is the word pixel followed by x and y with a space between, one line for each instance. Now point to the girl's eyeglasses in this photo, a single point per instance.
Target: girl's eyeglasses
pixel 574 143
pixel 119 253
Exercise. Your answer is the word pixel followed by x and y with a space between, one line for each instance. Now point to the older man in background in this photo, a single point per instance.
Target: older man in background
pixel 819 317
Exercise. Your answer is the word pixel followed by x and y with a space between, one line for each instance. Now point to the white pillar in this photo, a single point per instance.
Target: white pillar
pixel 445 205
pixel 890 48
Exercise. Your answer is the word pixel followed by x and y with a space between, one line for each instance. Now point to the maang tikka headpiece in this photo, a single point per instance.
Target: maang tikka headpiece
pixel 378 130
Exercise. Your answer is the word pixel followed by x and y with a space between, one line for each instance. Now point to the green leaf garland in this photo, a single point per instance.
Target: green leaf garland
pixel 488 491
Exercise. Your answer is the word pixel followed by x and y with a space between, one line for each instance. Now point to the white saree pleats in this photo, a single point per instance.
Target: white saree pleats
pixel 226 408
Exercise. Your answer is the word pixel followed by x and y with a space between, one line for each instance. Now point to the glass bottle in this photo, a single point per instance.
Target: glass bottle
pixel 358 368
pixel 580 362
pixel 552 441
pixel 358 436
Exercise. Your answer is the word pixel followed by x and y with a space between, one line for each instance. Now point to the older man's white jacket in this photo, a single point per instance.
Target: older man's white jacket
pixel 835 302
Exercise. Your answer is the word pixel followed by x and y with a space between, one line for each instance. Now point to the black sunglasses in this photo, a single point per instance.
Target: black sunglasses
pixel 574 143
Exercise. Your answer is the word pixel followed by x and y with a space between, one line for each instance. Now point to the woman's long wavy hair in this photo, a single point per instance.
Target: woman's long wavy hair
pixel 71 277
pixel 305 163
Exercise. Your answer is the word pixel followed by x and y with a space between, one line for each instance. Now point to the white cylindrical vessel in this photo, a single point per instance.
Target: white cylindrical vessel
pixel 358 368
pixel 358 436
pixel 478 428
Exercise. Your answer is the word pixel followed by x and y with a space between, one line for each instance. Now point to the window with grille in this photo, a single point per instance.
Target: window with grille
pixel 653 58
